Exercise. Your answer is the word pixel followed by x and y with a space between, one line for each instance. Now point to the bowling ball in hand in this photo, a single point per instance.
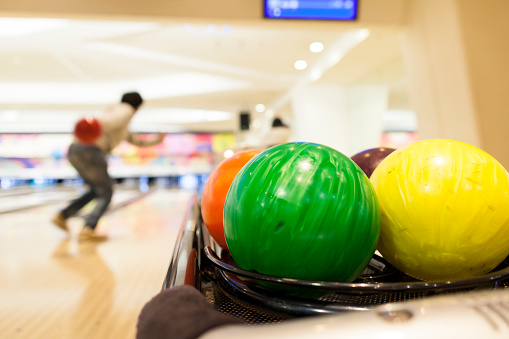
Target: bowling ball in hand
pixel 303 211
pixel 215 190
pixel 369 159
pixel 88 130
pixel 445 210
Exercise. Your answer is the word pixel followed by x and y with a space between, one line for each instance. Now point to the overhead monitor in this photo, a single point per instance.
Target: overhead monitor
pixel 311 9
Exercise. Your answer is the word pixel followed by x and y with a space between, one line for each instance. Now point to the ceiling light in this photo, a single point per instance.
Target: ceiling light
pixel 179 116
pixel 300 65
pixel 96 92
pixel 211 28
pixel 316 47
pixel 10 115
pixel 16 27
pixel 399 120
pixel 148 119
pixel 226 30
pixel 260 108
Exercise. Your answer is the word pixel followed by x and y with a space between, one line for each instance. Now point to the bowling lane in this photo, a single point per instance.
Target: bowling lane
pixel 28 197
pixel 53 286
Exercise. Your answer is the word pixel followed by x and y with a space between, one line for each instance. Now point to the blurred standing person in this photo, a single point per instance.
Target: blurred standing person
pixel 278 134
pixel 91 163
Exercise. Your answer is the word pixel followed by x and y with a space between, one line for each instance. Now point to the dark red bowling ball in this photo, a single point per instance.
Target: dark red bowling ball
pixel 88 130
pixel 369 159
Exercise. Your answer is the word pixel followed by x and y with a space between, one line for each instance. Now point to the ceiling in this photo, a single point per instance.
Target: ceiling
pixel 194 76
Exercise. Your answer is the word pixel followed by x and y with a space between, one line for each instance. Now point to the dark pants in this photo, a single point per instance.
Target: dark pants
pixel 92 166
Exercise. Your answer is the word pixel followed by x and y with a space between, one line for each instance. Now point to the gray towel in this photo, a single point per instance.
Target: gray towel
pixel 180 312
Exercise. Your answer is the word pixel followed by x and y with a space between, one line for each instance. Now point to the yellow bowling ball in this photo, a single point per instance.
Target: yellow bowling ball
pixel 445 210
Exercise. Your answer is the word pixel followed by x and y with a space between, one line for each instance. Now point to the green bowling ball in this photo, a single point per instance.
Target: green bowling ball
pixel 302 211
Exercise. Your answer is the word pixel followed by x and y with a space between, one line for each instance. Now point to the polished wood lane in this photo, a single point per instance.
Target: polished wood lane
pixel 53 286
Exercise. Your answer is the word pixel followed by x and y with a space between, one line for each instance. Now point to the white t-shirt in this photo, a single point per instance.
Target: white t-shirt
pixel 115 128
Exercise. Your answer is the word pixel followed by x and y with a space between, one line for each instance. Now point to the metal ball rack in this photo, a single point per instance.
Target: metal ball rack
pixel 256 298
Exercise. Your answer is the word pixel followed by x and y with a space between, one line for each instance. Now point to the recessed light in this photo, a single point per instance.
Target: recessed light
pixel 260 108
pixel 300 65
pixel 316 47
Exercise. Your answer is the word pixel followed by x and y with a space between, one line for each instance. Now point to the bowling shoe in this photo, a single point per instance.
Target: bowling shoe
pixel 60 222
pixel 89 234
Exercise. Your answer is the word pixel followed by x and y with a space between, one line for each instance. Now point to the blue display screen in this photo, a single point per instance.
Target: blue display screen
pixel 311 9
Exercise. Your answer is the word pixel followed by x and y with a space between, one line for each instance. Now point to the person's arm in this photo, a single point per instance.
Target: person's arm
pixel 134 139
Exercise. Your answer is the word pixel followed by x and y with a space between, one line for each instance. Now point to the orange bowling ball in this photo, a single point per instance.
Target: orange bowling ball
pixel 88 130
pixel 215 190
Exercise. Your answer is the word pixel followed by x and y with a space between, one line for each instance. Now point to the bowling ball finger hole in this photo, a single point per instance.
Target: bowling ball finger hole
pixel 279 226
